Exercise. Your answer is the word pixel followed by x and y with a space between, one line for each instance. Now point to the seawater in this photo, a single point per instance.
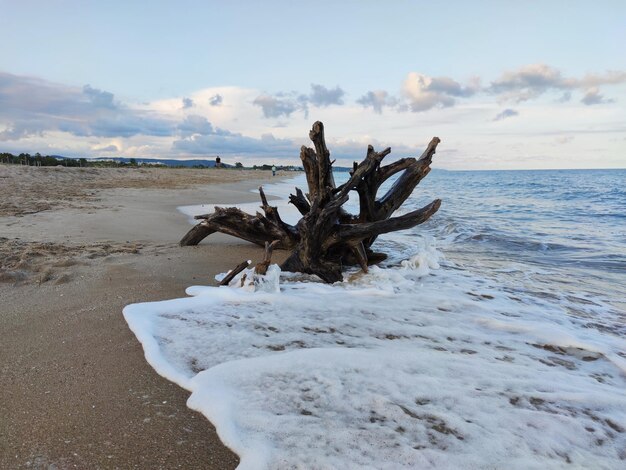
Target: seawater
pixel 493 336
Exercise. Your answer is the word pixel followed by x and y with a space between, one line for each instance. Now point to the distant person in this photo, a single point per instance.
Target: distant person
pixel 273 170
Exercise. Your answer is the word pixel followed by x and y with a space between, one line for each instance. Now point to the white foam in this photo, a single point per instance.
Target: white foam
pixel 417 364
pixel 395 369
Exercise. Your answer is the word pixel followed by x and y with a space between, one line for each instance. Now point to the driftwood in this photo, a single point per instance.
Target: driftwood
pixel 259 270
pixel 236 270
pixel 327 238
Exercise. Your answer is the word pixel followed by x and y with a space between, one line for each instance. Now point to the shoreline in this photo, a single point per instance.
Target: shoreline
pixel 78 392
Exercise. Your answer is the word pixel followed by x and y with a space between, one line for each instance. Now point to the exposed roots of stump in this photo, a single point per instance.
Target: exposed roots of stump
pixel 327 238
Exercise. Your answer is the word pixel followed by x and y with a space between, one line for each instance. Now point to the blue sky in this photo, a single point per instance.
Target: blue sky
pixel 503 84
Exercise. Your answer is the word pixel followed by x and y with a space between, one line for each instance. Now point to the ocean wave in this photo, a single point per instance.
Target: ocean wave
pixel 409 364
pixel 478 331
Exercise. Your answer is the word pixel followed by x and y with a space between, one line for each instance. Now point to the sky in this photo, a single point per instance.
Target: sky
pixel 504 84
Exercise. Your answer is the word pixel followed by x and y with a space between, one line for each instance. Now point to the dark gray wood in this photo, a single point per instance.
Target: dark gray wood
pixel 327 238
pixel 196 235
pixel 261 268
pixel 231 275
pixel 300 201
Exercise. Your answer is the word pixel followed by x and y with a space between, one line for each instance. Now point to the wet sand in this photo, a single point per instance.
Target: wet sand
pixel 76 390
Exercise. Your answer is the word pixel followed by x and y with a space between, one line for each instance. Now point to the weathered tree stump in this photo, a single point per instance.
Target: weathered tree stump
pixel 327 238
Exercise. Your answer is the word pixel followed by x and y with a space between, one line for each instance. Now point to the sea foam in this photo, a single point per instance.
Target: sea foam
pixel 424 362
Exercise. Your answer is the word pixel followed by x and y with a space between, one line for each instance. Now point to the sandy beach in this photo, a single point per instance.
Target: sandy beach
pixel 76 246
pixel 436 279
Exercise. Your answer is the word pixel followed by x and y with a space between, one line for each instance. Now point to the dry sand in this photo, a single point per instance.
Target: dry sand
pixel 76 246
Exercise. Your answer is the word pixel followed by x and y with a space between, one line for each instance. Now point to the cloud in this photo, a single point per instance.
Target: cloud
pixel 421 92
pixel 108 148
pixel 216 100
pixel 187 103
pixel 376 99
pixel 34 107
pixel 235 144
pixel 14 132
pixel 507 113
pixel 286 103
pixel 195 124
pixel 424 92
pixel 268 146
pixel 565 97
pixel 119 125
pixel 31 106
pixel 38 115
pixel 276 106
pixel 532 81
pixel 612 77
pixel 528 82
pixel 593 96
pixel 198 136
pixel 99 98
pixel 321 96
pixel 564 139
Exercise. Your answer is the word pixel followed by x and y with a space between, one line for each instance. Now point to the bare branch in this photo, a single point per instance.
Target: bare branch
pixel 263 198
pixel 387 171
pixel 300 201
pixel 261 268
pixel 309 163
pixel 324 165
pixel 372 229
pixel 406 183
pixel 231 274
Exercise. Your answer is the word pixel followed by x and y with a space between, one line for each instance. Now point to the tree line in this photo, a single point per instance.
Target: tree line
pixel 50 160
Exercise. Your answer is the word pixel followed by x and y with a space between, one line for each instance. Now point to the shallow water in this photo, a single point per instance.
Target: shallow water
pixel 491 337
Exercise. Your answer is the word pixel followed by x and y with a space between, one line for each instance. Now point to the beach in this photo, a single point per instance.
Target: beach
pixel 76 246
pixel 224 245
pixel 485 341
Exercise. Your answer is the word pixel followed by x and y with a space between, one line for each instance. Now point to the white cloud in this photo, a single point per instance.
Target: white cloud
pixel 187 103
pixel 107 148
pixel 424 92
pixel 275 106
pixel 31 106
pixel 84 121
pixel 195 124
pixel 216 100
pixel 564 139
pixel 507 113
pixel 593 96
pixel 532 81
pixel 377 100
pixel 284 104
pixel 321 96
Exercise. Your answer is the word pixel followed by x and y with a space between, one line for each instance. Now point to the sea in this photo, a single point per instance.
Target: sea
pixel 493 336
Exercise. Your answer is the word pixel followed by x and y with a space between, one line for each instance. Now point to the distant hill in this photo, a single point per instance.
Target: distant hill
pixel 163 161
pixel 186 163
